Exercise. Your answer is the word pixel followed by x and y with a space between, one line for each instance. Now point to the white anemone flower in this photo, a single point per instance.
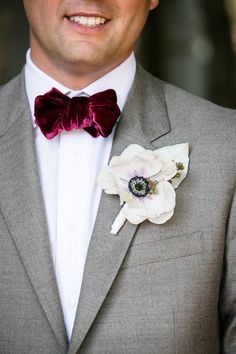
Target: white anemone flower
pixel 145 181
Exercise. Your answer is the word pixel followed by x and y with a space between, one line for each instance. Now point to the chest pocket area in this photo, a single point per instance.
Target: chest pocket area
pixel 165 248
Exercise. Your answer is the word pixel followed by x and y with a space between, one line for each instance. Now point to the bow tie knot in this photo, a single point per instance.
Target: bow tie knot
pixel 56 112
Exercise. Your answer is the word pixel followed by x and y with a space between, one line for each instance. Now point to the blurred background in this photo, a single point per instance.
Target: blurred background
pixel 189 43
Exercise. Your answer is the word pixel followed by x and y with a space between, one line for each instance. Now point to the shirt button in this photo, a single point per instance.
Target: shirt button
pixel 72 227
pixel 71 303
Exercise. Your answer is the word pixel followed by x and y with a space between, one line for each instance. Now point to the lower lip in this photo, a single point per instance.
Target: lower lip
pixel 87 29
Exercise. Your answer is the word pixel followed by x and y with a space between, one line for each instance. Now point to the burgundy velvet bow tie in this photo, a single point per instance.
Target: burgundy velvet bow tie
pixel 97 114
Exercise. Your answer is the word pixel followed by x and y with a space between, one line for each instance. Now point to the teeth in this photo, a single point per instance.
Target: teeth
pixel 88 21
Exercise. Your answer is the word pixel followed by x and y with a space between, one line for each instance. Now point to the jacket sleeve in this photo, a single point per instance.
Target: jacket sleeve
pixel 228 288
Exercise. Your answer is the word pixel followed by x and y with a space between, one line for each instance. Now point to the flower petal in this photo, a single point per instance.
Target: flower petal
pixel 129 199
pixel 131 151
pixel 144 161
pixel 145 166
pixel 122 170
pixel 162 202
pixel 168 170
pixel 133 215
pixel 106 181
pixel 161 219
pixel 177 153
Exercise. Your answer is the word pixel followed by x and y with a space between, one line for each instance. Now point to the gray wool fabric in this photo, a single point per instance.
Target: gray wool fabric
pixel 159 289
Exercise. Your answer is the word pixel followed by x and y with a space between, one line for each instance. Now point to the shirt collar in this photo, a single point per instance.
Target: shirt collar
pixel 120 79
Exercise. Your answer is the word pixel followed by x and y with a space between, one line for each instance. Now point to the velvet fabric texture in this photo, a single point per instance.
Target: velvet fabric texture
pixel 97 114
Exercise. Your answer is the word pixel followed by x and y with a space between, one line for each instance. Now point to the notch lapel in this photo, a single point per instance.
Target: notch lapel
pixel 21 202
pixel 143 121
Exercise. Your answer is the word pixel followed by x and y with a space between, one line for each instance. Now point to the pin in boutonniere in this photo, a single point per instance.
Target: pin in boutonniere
pixel 145 181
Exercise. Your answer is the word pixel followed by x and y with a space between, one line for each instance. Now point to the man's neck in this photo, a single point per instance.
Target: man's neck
pixel 75 79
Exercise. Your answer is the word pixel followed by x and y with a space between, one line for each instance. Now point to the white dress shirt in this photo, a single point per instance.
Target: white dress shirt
pixel 69 165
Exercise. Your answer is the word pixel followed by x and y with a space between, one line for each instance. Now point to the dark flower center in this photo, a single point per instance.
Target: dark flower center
pixel 139 186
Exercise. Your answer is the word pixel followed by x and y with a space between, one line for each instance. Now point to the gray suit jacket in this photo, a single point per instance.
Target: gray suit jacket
pixel 151 289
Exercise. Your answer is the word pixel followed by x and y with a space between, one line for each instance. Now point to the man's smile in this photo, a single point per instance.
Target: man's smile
pixel 90 21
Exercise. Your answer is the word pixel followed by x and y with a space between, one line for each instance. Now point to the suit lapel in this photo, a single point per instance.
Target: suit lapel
pixel 143 121
pixel 21 202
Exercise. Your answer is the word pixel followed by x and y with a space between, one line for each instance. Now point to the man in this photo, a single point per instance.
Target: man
pixel 67 284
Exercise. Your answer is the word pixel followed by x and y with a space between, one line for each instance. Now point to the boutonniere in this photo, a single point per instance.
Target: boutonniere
pixel 145 181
